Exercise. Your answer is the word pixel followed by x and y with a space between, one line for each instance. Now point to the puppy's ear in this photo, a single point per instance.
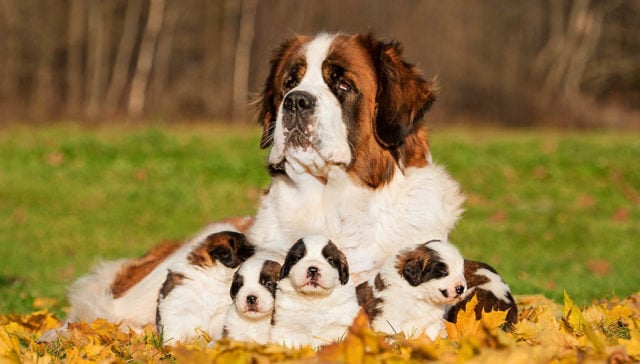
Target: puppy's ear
pixel 269 276
pixel 238 282
pixel 412 271
pixel 296 252
pixel 403 94
pixel 338 260
pixel 230 248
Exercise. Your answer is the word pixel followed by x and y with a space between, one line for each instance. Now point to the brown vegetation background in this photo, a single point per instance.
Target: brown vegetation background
pixel 513 62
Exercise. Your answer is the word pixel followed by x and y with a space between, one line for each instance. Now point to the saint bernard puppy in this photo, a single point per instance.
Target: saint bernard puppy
pixel 126 291
pixel 492 292
pixel 253 292
pixel 349 158
pixel 411 292
pixel 194 298
pixel 315 300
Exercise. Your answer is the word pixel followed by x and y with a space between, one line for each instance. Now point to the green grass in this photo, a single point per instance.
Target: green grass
pixel 550 211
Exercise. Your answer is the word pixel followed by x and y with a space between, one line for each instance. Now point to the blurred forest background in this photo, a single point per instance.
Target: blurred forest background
pixel 509 62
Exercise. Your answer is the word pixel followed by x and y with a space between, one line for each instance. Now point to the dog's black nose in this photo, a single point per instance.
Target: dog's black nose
pixel 298 101
pixel 459 290
pixel 312 271
pixel 251 299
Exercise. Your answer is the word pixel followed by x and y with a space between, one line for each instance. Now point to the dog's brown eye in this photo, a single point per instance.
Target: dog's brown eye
pixel 344 87
pixel 290 83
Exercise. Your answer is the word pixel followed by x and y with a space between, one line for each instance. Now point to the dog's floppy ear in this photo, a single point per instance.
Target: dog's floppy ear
pixel 296 252
pixel 403 94
pixel 238 282
pixel 230 248
pixel 412 271
pixel 269 100
pixel 338 260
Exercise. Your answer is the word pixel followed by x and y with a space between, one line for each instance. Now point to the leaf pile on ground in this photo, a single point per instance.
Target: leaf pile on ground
pixel 608 330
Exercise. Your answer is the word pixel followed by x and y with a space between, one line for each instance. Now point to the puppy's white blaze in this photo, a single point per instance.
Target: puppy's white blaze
pixel 495 285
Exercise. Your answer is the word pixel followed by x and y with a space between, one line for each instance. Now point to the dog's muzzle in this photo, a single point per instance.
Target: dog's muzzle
pixel 299 107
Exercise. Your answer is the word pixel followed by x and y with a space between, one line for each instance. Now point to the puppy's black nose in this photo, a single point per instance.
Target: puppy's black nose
pixel 298 101
pixel 251 299
pixel 312 271
pixel 459 290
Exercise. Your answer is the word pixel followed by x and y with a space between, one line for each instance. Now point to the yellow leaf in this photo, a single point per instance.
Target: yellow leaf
pixel 572 315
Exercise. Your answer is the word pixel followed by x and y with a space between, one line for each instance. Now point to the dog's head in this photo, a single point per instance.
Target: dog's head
pixel 436 269
pixel 315 266
pixel 348 100
pixel 230 248
pixel 253 289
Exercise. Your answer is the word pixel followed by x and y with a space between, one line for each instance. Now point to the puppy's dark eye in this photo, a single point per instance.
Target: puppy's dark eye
pixel 330 260
pixel 343 86
pixel 439 271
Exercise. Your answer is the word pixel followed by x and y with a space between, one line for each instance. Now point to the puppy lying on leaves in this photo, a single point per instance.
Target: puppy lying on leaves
pixel 253 293
pixel 411 292
pixel 316 300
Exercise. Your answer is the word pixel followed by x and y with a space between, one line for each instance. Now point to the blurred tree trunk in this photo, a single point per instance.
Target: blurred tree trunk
pixel 211 40
pixel 226 59
pixel 98 56
pixel 120 74
pixel 243 60
pixel 74 72
pixel 139 84
pixel 574 33
pixel 159 84
pixel 10 63
pixel 44 96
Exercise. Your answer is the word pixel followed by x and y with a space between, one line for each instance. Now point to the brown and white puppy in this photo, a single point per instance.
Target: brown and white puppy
pixel 349 157
pixel 194 298
pixel 253 292
pixel 315 301
pixel 492 292
pixel 411 292
pixel 126 291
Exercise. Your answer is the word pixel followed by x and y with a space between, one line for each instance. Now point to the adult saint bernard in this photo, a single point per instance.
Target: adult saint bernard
pixel 349 156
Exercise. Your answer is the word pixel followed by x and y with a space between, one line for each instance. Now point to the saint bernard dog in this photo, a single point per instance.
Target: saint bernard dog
pixel 315 300
pixel 492 292
pixel 411 292
pixel 349 157
pixel 253 292
pixel 194 298
pixel 126 291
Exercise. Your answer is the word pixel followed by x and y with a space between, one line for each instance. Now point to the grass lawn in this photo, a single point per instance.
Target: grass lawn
pixel 551 211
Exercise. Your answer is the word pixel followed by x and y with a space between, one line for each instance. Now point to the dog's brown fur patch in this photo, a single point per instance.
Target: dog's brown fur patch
pixel 366 299
pixel 173 280
pixel 135 270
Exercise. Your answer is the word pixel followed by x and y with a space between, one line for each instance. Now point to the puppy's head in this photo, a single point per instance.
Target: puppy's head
pixel 436 269
pixel 253 289
pixel 315 266
pixel 230 248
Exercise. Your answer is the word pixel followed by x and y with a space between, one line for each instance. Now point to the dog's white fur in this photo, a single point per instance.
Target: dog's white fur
pixel 369 225
pixel 417 310
pixel 313 315
pixel 242 324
